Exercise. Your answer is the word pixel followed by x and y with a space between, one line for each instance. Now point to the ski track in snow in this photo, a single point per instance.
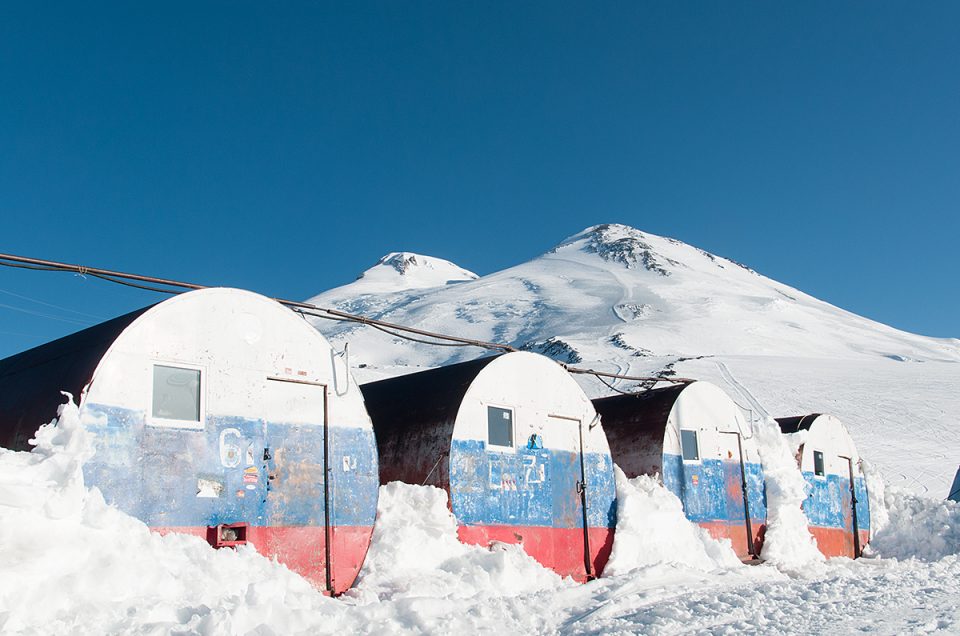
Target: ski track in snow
pixel 742 391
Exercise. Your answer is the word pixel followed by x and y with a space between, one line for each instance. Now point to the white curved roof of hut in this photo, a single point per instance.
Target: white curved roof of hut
pixel 540 392
pixel 238 338
pixel 828 435
pixel 708 409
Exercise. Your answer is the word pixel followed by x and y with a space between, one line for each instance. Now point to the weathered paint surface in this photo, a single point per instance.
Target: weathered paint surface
pixel 829 511
pixel 267 474
pixel 561 549
pixel 531 497
pixel 529 487
pixel 837 541
pixel 711 491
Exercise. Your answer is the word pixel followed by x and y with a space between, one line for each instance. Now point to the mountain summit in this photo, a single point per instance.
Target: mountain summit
pixel 609 295
pixel 398 271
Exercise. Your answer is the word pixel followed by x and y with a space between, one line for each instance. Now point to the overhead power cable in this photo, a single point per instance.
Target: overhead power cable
pixel 604 374
pixel 168 286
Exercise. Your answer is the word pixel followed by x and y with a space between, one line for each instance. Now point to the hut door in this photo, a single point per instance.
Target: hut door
pixel 745 493
pixel 853 508
pixel 573 439
pixel 300 452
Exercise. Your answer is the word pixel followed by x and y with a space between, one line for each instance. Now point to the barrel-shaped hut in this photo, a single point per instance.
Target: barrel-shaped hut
pixel 837 506
pixel 218 413
pixel 695 438
pixel 518 447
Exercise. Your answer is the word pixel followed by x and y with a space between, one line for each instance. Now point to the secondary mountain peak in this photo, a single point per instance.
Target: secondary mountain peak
pixel 398 271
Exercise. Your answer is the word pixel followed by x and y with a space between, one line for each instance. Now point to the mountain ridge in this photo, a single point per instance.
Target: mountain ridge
pixel 607 292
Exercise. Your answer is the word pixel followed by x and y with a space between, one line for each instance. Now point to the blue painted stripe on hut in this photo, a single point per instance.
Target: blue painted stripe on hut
pixel 529 487
pixel 177 477
pixel 711 489
pixel 828 501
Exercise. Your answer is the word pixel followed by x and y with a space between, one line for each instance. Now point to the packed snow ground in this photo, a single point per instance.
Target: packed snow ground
pixel 70 564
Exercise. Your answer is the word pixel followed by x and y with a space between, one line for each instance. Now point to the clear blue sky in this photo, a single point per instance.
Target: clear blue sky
pixel 284 147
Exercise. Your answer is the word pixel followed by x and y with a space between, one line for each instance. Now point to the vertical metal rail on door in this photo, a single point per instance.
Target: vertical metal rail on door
pixel 582 487
pixel 751 547
pixel 853 505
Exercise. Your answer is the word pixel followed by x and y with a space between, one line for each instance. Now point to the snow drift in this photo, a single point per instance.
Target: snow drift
pixel 71 564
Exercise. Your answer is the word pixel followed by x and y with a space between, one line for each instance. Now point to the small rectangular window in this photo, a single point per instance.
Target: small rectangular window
pixel 499 427
pixel 689 446
pixel 176 393
pixel 818 463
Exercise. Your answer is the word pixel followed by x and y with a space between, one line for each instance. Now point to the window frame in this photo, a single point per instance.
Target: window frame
pixel 823 464
pixel 513 428
pixel 164 422
pixel 696 434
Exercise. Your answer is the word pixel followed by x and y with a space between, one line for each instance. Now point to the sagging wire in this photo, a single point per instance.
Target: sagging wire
pixel 72 321
pixel 426 342
pixel 33 267
pixel 123 278
pixel 616 376
pixel 384 330
pixel 643 387
pixel 613 388
pixel 51 305
pixel 111 279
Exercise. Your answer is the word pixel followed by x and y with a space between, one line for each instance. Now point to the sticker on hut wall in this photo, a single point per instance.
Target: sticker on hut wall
pixel 241 494
pixel 250 476
pixel 349 463
pixel 695 479
pixel 250 455
pixel 209 488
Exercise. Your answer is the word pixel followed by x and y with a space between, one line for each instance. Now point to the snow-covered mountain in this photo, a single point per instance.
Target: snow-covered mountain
pixel 614 298
pixel 607 293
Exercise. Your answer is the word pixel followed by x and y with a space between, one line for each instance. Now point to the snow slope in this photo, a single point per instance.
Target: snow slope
pixel 618 299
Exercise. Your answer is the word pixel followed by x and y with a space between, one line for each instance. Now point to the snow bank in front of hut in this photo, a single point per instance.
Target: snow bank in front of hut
pixel 917 527
pixel 876 497
pixel 415 551
pixel 652 530
pixel 49 479
pixel 69 563
pixel 787 542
